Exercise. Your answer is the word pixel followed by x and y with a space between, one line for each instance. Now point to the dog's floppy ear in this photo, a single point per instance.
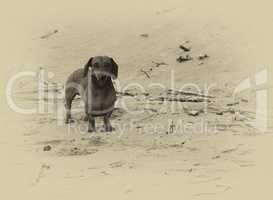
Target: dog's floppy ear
pixel 86 66
pixel 114 69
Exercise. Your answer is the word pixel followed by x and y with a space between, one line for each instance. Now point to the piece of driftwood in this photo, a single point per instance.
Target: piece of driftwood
pixel 179 99
pixel 178 92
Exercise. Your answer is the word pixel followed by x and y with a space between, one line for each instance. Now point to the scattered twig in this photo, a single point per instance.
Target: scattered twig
pixel 233 104
pixel 186 49
pixel 186 58
pixel 117 164
pixel 157 64
pixel 146 73
pixel 213 193
pixel 49 34
pixel 229 150
pixel 203 56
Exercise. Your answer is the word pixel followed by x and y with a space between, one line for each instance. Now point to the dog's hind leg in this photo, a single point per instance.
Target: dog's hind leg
pixel 69 96
pixel 91 120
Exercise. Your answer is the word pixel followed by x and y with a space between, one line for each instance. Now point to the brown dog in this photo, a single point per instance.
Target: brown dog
pixel 94 84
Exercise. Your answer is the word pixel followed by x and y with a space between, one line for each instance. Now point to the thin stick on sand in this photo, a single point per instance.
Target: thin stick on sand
pixel 146 73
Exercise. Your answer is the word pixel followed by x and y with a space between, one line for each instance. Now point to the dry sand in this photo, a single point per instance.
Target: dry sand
pixel 235 162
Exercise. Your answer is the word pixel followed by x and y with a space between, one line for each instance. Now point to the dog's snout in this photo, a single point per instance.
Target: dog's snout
pixel 100 75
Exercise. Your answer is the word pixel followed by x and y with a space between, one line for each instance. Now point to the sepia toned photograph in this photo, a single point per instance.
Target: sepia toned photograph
pixel 136 99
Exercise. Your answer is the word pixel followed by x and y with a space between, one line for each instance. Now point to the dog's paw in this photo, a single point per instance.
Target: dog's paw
pixel 91 129
pixel 109 129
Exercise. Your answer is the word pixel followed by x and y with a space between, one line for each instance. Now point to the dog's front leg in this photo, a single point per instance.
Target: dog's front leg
pixel 91 124
pixel 107 124
pixel 68 116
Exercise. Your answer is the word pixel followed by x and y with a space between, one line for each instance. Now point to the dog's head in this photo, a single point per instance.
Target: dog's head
pixel 103 68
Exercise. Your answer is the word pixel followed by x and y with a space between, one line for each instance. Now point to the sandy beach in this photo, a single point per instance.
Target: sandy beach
pixel 207 142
